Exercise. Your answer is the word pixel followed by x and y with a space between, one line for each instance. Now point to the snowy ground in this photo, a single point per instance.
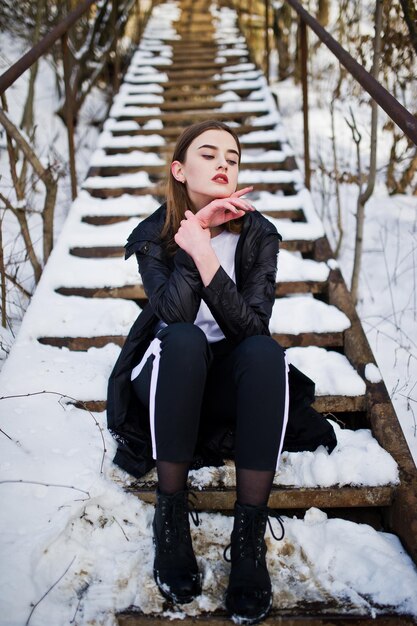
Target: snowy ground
pixel 76 547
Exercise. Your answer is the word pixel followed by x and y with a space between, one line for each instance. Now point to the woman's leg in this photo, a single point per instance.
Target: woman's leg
pixel 250 387
pixel 171 382
pixel 257 389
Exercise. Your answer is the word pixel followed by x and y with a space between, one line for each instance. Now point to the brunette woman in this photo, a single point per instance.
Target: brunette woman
pixel 201 356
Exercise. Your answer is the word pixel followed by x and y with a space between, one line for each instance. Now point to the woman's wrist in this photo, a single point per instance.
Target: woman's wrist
pixel 207 264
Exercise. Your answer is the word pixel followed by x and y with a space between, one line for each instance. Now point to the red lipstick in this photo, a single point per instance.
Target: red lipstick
pixel 220 178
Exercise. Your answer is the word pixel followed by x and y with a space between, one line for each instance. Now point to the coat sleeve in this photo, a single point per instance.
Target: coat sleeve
pixel 174 294
pixel 243 313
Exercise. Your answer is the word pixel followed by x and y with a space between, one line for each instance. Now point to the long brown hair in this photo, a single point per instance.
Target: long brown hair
pixel 178 200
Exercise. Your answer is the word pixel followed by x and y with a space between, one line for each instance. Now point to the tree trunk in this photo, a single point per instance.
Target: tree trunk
pixel 3 278
pixel 410 15
pixel 323 12
pixel 27 116
pixel 280 23
pixel 364 196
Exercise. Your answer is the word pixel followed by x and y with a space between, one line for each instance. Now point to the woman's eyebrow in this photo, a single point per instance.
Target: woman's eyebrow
pixel 206 145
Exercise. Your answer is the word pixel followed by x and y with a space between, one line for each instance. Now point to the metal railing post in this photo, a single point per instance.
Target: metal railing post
pixel 267 47
pixel 69 114
pixel 304 83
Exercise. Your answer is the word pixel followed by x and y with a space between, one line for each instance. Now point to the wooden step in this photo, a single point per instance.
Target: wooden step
pixel 175 131
pixel 174 93
pixel 175 82
pixel 295 215
pixel 104 252
pixel 223 499
pixel 136 292
pixel 167 150
pixel 306 614
pixel 322 404
pixel 82 344
pixel 189 117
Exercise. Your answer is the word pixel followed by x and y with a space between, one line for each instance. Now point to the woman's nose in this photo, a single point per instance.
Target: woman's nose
pixel 222 162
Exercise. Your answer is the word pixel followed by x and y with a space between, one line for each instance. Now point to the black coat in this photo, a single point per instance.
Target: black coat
pixel 175 289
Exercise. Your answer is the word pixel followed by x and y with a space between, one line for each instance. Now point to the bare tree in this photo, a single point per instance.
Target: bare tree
pixel 92 56
pixel 364 196
pixel 16 143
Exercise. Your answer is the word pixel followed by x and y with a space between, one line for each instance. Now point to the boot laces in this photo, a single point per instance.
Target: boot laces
pixel 175 513
pixel 250 534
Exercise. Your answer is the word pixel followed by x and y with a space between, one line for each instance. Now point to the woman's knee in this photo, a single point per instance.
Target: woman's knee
pixel 184 338
pixel 261 351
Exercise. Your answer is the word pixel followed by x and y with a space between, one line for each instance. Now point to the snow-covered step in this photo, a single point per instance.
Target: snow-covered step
pixel 142 114
pixel 122 127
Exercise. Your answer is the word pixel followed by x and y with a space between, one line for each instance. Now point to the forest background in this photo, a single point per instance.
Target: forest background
pixel 35 187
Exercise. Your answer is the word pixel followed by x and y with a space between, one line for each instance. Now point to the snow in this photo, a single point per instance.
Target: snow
pixel 72 519
pixel 125 88
pixel 331 371
pixel 157 77
pixel 263 135
pixel 113 317
pixel 138 179
pixel 107 140
pixel 119 110
pixel 357 460
pixel 280 176
pixel 263 156
pixel 372 373
pixel 124 205
pixel 138 98
pixel 135 158
pixel 250 107
pixel 304 314
pixel 292 267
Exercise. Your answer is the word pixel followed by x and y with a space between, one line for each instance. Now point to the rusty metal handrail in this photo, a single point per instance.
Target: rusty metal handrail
pixel 17 69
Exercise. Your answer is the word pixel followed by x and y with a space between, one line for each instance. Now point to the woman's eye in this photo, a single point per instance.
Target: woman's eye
pixel 231 162
pixel 208 156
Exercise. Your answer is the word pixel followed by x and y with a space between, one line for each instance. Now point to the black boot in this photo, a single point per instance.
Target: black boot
pixel 249 594
pixel 175 566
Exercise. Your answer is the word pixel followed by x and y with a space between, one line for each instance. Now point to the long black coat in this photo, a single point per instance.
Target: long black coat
pixel 175 289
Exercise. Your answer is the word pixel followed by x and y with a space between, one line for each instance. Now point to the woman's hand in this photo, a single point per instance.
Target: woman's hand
pixel 223 210
pixel 191 236
pixel 195 240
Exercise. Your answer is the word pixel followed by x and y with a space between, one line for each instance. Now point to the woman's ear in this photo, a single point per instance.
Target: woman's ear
pixel 176 170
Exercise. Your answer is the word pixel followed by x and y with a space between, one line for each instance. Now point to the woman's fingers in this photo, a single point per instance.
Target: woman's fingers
pixel 242 192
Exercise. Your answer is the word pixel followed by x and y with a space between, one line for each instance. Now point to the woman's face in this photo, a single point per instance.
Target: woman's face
pixel 211 167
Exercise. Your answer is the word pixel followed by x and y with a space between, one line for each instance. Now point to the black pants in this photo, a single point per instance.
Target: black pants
pixel 184 380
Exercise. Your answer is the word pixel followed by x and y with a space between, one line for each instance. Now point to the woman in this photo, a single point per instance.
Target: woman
pixel 201 356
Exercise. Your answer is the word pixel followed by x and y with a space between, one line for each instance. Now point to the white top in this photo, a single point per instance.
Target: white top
pixel 224 245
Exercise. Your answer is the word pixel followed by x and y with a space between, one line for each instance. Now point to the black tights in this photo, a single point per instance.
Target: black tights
pixel 252 486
